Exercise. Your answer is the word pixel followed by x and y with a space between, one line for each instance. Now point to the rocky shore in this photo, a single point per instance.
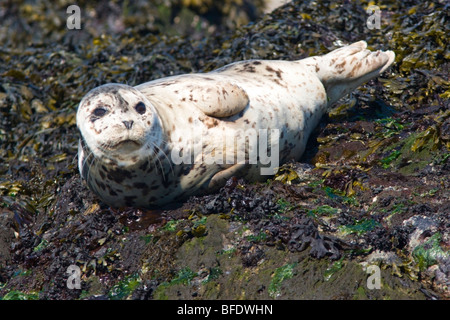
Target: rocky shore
pixel 364 215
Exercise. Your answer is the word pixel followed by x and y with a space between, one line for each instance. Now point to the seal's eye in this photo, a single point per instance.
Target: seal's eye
pixel 99 112
pixel 140 108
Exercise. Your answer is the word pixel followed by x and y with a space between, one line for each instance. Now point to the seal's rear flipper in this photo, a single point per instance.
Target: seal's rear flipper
pixel 344 69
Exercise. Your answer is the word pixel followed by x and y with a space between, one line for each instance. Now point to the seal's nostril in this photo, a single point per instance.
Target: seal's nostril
pixel 128 124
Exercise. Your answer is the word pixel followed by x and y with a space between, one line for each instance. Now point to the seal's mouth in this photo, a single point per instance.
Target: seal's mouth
pixel 124 145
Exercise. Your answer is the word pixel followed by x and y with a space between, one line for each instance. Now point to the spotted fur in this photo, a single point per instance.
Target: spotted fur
pixel 125 148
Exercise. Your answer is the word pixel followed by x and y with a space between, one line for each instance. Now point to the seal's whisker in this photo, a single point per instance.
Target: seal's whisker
pixel 158 168
pixel 74 159
pixel 169 161
pixel 157 157
pixel 91 164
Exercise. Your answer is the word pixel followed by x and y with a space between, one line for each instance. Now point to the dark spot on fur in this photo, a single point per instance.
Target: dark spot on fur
pixel 122 102
pixel 100 184
pixel 277 72
pixel 129 200
pixel 187 169
pixel 211 123
pixel 247 67
pixel 118 175
pixel 140 185
pixel 341 65
pixel 355 69
pixel 277 82
pixel 202 169
pixel 143 166
pixel 166 182
pixel 112 192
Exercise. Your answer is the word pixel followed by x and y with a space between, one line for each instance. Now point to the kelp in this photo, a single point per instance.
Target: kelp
pixel 378 158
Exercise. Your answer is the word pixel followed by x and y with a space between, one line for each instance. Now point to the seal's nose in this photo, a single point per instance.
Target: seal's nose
pixel 128 124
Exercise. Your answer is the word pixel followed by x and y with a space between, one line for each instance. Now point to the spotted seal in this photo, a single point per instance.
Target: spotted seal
pixel 167 139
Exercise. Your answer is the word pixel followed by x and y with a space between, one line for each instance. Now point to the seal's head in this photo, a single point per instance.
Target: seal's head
pixel 119 125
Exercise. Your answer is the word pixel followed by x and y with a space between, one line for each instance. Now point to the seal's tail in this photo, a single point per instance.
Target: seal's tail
pixel 344 69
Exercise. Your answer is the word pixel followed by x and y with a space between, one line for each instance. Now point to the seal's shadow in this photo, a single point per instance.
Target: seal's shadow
pixel 362 111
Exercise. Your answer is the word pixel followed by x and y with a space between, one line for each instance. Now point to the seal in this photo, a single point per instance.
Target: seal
pixel 167 139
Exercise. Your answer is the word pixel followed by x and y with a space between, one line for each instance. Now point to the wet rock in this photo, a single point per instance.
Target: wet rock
pixel 6 237
pixel 305 234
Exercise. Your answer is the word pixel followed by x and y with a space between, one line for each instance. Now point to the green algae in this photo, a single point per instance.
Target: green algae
pixel 430 252
pixel 18 295
pixel 324 210
pixel 360 227
pixel 214 274
pixel 279 276
pixel 335 267
pixel 184 276
pixel 124 288
pixel 386 162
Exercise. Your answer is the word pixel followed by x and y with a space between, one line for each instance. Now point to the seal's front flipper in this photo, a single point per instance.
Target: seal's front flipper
pixel 220 99
pixel 214 97
pixel 221 177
